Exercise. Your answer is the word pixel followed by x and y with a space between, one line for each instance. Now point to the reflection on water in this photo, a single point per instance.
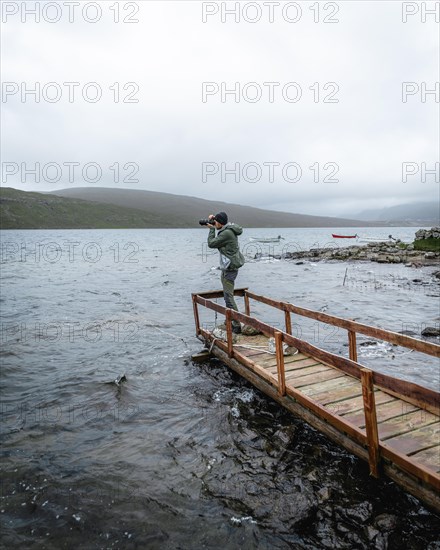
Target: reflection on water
pixel 177 455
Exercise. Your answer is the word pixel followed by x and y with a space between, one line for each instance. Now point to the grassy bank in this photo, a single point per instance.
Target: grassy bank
pixel 427 245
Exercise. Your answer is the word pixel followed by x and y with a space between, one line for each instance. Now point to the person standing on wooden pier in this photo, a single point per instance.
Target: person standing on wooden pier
pixel 231 259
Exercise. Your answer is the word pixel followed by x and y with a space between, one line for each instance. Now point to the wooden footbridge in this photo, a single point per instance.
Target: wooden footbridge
pixel 391 423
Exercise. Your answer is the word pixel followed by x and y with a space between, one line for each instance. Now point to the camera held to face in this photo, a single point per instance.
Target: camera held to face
pixel 206 222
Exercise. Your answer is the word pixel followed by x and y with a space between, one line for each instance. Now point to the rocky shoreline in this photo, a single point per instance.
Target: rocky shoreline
pixel 417 254
pixel 383 253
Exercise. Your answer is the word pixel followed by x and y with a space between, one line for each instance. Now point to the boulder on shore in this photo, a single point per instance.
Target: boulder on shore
pixel 433 233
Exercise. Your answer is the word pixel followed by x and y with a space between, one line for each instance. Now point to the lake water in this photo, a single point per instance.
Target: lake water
pixel 180 455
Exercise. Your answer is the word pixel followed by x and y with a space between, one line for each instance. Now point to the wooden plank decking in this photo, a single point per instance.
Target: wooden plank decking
pixel 410 430
pixel 393 424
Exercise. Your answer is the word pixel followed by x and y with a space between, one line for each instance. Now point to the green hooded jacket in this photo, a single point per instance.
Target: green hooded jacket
pixel 227 244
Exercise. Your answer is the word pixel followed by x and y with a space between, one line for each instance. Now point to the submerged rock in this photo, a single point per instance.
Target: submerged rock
pixel 368 343
pixel 358 514
pixel 386 522
pixel 431 332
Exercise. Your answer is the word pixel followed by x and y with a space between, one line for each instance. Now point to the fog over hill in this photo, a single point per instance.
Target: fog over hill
pixel 418 213
pixel 184 211
pixel 100 207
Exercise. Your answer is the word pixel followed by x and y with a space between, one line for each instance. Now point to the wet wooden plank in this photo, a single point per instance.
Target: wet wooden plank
pixel 266 360
pixel 256 355
pixel 251 346
pixel 270 361
pixel 417 440
pixel 302 363
pixel 410 422
pixel 324 398
pixel 316 378
pixel 260 356
pixel 305 371
pixel 384 411
pixel 331 386
pixel 429 458
pixel 356 404
pixel 298 365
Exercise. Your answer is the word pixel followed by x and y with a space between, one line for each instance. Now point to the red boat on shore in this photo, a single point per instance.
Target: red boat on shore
pixel 344 236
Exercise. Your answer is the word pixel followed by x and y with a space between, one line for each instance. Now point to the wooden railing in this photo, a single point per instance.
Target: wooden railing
pixel 413 393
pixel 352 327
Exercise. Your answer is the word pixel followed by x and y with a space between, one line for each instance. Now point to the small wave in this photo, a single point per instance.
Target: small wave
pixel 246 396
pixel 239 521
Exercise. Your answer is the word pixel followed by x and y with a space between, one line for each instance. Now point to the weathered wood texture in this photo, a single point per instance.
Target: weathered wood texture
pixel 425 491
pixel 219 293
pixel 280 363
pixel 416 394
pixel 370 421
pixel 389 422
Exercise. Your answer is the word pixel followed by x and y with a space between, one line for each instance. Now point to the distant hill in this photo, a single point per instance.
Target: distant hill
pixel 185 211
pixel 419 213
pixel 102 208
pixel 23 210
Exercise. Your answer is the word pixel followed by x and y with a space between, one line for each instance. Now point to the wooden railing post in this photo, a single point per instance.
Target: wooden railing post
pixel 280 362
pixel 196 314
pixel 247 305
pixel 229 332
pixel 352 345
pixel 288 321
pixel 370 420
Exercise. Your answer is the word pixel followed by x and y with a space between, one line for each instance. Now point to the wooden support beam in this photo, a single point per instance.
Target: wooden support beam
pixel 280 363
pixel 229 332
pixel 288 321
pixel 247 305
pixel 370 420
pixel 352 345
pixel 196 314
pixel 202 356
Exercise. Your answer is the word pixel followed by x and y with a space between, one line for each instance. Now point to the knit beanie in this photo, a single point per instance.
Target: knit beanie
pixel 222 218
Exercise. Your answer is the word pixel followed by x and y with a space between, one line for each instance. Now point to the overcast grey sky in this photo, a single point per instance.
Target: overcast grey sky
pixel 337 130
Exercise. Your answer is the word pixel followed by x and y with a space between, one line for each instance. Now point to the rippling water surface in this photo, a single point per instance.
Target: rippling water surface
pixel 112 438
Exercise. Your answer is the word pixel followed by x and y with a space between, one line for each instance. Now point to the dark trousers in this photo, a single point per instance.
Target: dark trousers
pixel 228 280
